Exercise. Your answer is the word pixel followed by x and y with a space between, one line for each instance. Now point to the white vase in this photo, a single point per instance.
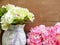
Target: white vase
pixel 15 35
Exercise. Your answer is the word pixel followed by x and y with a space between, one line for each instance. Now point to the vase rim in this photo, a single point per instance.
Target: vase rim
pixel 15 27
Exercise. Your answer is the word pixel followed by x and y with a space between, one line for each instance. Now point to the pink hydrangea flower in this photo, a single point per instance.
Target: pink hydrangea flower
pixel 42 35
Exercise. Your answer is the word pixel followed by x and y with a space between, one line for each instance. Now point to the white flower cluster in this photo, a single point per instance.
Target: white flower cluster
pixel 15 12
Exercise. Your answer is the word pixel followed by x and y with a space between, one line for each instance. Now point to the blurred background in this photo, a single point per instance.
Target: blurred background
pixel 46 12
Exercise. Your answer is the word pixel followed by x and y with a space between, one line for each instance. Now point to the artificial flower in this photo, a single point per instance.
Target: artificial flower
pixel 15 15
pixel 42 35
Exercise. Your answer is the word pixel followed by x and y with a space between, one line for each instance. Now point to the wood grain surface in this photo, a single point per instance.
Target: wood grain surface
pixel 46 11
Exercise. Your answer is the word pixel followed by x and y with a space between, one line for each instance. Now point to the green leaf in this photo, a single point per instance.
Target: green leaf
pixel 15 21
pixel 2 11
pixel 18 21
pixel 26 18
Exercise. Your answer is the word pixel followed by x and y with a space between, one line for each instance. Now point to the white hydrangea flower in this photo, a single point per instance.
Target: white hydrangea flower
pixel 8 18
pixel 31 16
pixel 5 26
pixel 15 12
pixel 9 6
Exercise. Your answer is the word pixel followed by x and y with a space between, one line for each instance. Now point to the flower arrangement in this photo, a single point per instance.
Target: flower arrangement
pixel 42 35
pixel 12 14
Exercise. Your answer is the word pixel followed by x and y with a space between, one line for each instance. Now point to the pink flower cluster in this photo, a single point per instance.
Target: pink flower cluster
pixel 42 35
